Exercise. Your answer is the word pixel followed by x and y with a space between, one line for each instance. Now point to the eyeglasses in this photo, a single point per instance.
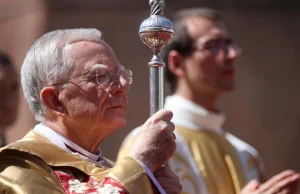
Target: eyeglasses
pixel 103 77
pixel 218 44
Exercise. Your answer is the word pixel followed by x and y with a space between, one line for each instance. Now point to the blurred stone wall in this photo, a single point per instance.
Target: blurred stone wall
pixel 264 109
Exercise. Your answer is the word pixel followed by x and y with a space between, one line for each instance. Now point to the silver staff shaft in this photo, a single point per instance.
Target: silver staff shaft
pixel 156 88
pixel 156 32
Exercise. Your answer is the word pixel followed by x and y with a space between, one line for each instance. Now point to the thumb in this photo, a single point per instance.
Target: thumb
pixel 164 114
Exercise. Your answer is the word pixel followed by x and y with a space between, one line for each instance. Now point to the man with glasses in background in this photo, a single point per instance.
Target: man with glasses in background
pixel 76 88
pixel 200 68
pixel 9 95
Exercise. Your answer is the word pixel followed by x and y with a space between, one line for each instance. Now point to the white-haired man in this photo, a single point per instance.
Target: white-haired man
pixel 76 88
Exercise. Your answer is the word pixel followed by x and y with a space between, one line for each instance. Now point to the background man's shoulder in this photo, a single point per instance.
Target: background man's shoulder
pixel 241 145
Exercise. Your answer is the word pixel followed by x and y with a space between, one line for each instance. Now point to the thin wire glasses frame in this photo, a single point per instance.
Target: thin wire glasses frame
pixel 103 78
pixel 215 45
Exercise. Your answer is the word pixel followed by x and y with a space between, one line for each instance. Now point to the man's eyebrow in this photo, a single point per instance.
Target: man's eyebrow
pixel 95 67
pixel 206 38
pixel 98 66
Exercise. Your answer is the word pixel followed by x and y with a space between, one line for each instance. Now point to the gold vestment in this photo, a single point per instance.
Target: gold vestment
pixel 214 156
pixel 29 165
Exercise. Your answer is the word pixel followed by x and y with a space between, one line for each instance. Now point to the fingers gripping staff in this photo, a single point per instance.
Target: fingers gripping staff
pixel 154 143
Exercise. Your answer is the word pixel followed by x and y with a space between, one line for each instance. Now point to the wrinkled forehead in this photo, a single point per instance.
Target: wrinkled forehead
pixel 85 55
pixel 199 27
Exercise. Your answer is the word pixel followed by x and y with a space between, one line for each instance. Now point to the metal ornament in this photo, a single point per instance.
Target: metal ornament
pixel 156 32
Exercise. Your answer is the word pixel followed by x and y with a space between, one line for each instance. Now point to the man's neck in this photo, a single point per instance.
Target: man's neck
pixel 204 99
pixel 89 143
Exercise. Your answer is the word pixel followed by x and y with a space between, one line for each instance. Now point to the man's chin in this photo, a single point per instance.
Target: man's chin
pixel 116 118
pixel 120 122
pixel 228 87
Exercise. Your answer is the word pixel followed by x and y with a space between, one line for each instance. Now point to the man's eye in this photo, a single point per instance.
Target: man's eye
pixel 101 77
pixel 212 44
pixel 101 73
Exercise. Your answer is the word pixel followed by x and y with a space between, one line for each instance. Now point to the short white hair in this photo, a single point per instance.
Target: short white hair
pixel 46 63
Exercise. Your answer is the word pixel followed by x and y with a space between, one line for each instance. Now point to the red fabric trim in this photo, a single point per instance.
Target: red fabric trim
pixel 73 186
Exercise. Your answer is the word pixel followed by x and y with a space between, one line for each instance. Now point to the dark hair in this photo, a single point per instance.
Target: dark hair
pixel 182 41
pixel 4 59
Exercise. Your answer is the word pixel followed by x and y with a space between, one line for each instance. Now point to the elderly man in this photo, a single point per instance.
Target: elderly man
pixel 9 95
pixel 76 89
pixel 200 69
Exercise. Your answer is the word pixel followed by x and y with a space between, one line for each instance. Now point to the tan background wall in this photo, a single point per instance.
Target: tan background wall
pixel 264 111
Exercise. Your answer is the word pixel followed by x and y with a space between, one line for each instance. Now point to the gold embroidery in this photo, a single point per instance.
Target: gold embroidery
pixel 216 159
pixel 184 176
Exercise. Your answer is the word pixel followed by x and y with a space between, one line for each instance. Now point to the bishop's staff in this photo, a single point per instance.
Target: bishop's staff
pixel 156 32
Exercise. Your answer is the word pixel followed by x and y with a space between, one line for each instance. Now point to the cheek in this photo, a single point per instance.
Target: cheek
pixel 116 116
pixel 202 68
pixel 9 103
pixel 209 68
pixel 80 107
pixel 8 113
pixel 84 101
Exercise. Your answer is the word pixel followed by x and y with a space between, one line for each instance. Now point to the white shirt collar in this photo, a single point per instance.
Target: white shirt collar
pixel 193 116
pixel 66 144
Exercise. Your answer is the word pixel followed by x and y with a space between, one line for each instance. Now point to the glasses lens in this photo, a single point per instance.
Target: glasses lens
pixel 220 44
pixel 127 75
pixel 103 76
pixel 215 45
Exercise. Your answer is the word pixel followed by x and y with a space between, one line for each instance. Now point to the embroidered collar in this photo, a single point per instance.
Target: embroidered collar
pixel 67 145
pixel 193 116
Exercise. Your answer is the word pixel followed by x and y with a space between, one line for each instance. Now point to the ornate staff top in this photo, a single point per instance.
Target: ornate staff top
pixel 156 31
pixel 157 7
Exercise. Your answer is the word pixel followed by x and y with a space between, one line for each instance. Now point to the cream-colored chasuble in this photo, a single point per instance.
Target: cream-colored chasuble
pixel 216 159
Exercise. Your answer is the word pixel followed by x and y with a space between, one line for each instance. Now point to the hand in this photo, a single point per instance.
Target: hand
pixel 154 144
pixel 285 182
pixel 168 180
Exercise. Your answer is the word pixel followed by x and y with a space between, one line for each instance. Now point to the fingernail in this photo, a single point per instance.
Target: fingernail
pixel 295 177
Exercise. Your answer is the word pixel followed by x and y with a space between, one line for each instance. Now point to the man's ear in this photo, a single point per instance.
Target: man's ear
pixel 175 63
pixel 50 98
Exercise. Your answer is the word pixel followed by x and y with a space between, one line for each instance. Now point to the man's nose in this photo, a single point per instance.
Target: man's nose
pixel 119 84
pixel 233 51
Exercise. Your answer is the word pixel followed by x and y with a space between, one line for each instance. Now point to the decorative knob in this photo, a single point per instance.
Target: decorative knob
pixel 156 31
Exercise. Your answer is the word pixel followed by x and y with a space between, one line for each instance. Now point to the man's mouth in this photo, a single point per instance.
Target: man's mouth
pixel 228 72
pixel 117 106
